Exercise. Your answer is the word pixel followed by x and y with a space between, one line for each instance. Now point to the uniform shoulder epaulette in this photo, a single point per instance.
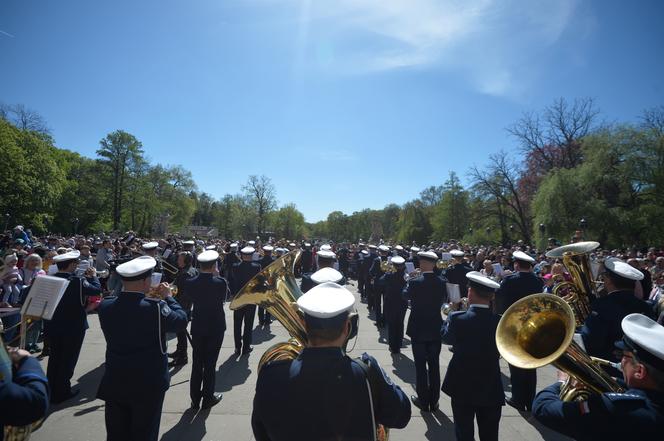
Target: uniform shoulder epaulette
pixel 623 396
pixel 455 313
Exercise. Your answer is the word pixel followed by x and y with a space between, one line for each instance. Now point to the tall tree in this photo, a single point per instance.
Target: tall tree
pixel 551 138
pixel 499 181
pixel 118 151
pixel 260 191
pixel 450 214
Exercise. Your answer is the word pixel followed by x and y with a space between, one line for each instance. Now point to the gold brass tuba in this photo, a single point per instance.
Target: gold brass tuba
pixel 538 330
pixel 276 290
pixel 581 290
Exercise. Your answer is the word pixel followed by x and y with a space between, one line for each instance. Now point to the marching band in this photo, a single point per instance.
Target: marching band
pixel 438 290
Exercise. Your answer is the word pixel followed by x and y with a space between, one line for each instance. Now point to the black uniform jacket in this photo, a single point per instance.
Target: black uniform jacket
pixel 328 392
pixel 207 293
pixel 457 274
pixel 517 286
pixel 70 316
pixel 136 362
pixel 395 306
pixel 242 273
pixel 266 261
pixel 602 327
pixel 633 415
pixel 473 375
pixel 426 294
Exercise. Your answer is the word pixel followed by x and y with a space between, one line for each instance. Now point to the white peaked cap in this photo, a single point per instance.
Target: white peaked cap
pixel 326 275
pixel 622 269
pixel 136 267
pixel 70 255
pixel 477 277
pixel 520 255
pixel 326 300
pixel 208 256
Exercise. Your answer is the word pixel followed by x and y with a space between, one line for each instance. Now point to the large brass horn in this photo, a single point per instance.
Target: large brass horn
pixel 276 290
pixel 581 290
pixel 538 330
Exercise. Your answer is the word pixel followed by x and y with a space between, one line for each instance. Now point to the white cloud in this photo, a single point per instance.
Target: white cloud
pixel 491 42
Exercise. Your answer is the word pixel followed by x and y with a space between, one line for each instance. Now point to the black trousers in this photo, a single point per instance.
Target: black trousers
pixel 181 347
pixel 488 419
pixel 203 369
pixel 244 315
pixel 370 294
pixel 263 316
pixel 65 350
pixel 524 383
pixel 427 371
pixel 361 285
pixel 133 420
pixel 395 330
pixel 378 304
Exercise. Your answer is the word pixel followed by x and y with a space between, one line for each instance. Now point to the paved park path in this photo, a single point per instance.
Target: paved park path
pixel 82 419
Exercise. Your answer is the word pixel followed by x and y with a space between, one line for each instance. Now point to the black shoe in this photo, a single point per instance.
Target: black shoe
pixel 395 351
pixel 518 406
pixel 247 351
pixel 72 393
pixel 174 354
pixel 214 400
pixel 420 405
pixel 178 362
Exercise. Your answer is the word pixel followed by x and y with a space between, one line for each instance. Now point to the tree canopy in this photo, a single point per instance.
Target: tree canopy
pixel 571 168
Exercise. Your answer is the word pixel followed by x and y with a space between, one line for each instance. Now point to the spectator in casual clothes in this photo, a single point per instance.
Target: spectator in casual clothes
pixel 10 278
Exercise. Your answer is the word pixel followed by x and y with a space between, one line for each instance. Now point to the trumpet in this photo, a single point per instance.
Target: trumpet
pixel 159 293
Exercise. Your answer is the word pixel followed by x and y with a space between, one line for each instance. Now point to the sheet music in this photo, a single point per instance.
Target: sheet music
pixel 446 256
pixel 497 268
pixel 46 292
pixel 453 292
pixel 410 267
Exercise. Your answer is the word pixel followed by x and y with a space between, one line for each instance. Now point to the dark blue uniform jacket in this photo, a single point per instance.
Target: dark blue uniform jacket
pixel 242 273
pixel 70 316
pixel 426 294
pixel 634 415
pixel 473 375
pixel 328 392
pixel 395 306
pixel 457 274
pixel 136 362
pixel 602 327
pixel 24 399
pixel 517 286
pixel 207 293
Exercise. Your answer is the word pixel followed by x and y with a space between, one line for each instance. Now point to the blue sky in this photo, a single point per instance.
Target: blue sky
pixel 344 104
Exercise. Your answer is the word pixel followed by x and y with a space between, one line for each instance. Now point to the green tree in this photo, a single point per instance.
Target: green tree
pixel 451 214
pixel 413 224
pixel 260 191
pixel 288 222
pixel 119 150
